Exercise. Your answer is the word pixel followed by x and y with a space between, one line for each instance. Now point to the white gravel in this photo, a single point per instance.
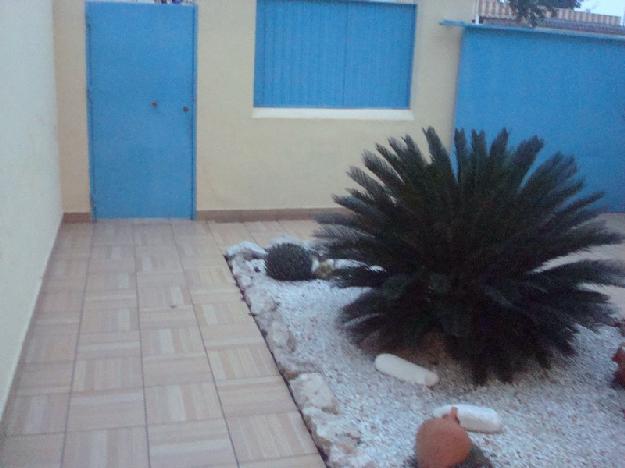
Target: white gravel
pixel 570 416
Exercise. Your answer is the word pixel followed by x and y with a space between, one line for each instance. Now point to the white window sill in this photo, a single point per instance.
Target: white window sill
pixel 332 114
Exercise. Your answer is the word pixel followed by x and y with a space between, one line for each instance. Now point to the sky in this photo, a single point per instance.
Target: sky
pixel 605 7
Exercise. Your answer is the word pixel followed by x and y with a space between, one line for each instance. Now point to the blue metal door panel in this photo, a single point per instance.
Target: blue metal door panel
pixel 141 67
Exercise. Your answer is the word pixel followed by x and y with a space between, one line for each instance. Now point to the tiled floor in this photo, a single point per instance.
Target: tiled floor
pixel 142 354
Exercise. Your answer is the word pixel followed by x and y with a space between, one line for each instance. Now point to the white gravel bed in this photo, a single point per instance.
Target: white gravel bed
pixel 570 416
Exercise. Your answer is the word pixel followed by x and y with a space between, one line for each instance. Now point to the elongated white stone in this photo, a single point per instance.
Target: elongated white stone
pixel 404 370
pixel 473 418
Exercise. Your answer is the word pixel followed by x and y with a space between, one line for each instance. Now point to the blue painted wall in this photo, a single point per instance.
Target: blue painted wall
pixel 333 53
pixel 567 89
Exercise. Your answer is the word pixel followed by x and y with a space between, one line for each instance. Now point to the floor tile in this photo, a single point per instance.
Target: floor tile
pixel 263 395
pixel 183 342
pixel 263 227
pixel 170 370
pixel 32 451
pixel 232 334
pixel 107 374
pixel 187 402
pixel 162 297
pixel 112 233
pixel 113 299
pixel 60 301
pixel 227 234
pixel 190 444
pixel 263 437
pixel 113 344
pixel 111 281
pixel 56 322
pixel 63 284
pixel 221 313
pixel 107 448
pixel 183 229
pixel 157 259
pixel 302 461
pixel 180 317
pixel 50 348
pixel 37 414
pixel 107 409
pixel 202 248
pixel 210 278
pixel 302 229
pixel 67 268
pixel 242 362
pixel 151 280
pixel 39 379
pixel 203 296
pixel 153 234
pixel 112 252
pixel 112 259
pixel 116 320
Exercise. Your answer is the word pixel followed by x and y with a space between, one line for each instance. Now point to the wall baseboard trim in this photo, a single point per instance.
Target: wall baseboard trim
pixel 72 218
pixel 240 216
pixel 233 216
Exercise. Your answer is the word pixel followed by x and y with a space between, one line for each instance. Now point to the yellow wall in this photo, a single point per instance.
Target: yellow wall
pixel 245 162
pixel 30 203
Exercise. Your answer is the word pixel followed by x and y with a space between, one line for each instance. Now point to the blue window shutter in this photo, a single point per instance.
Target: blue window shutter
pixel 333 54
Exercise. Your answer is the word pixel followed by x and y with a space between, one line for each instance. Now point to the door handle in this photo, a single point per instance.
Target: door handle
pixel 185 109
pixel 154 104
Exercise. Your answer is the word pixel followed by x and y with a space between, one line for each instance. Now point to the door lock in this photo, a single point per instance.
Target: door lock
pixel 185 109
pixel 154 104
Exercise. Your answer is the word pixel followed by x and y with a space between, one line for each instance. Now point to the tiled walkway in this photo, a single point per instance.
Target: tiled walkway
pixel 142 354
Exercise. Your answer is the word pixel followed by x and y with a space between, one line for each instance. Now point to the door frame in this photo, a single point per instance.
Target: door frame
pixel 90 135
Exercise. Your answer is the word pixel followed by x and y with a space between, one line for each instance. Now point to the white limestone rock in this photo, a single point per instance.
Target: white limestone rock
pixel 404 370
pixel 311 390
pixel 473 418
pixel 332 434
pixel 246 250
pixel 279 336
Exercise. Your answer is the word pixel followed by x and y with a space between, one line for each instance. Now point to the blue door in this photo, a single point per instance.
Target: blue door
pixel 141 88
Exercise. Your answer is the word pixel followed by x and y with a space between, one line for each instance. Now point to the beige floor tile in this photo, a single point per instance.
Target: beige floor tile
pixel 50 348
pixel 242 362
pixel 39 379
pixel 263 395
pixel 183 229
pixel 187 402
pixel 116 320
pixel 67 268
pixel 56 322
pixel 302 229
pixel 157 259
pixel 232 335
pixel 203 296
pixel 63 284
pixel 202 247
pixel 180 317
pixel 79 249
pixel 111 281
pixel 264 227
pixel 163 297
pixel 210 278
pixel 227 234
pixel 32 451
pixel 109 448
pixel 190 444
pixel 107 374
pixel 302 461
pixel 173 370
pixel 124 265
pixel 264 239
pixel 221 313
pixel 61 301
pixel 151 280
pixel 112 252
pixel 153 234
pixel 112 233
pixel 107 409
pixel 262 437
pixel 37 414
pixel 182 342
pixel 108 300
pixel 114 344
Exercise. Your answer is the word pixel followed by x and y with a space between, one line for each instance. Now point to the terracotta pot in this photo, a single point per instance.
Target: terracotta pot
pixel 442 442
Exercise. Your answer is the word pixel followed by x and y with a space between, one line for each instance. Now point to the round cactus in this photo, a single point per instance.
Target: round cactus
pixel 289 262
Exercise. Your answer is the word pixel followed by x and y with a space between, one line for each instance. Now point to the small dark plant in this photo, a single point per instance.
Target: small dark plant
pixel 467 251
pixel 535 10
pixel 289 262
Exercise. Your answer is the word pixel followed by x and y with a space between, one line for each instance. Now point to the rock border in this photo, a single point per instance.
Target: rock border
pixel 335 437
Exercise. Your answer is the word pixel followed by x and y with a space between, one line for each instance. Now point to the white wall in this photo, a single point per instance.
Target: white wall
pixel 30 204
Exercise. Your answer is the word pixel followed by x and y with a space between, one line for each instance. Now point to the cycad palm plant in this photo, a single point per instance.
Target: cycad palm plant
pixel 467 251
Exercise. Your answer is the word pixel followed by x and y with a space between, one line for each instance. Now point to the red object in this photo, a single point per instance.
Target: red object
pixel 619 358
pixel 442 442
